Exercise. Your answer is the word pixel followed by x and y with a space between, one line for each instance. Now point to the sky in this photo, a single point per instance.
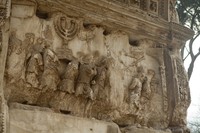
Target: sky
pixel 194 109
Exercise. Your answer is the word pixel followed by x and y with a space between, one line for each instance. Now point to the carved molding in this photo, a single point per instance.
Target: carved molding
pixel 151 6
pixel 4 14
pixel 2 21
pixel 133 16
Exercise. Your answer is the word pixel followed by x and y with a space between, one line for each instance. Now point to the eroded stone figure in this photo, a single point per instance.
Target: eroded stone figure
pixel 136 87
pixel 146 94
pixel 68 82
pixel 146 88
pixel 153 6
pixel 35 64
pixel 85 79
pixel 50 77
pixel 14 43
pixel 17 54
pixel 27 43
pixel 99 86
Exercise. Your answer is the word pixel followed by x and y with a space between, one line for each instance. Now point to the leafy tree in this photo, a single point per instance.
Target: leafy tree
pixel 189 15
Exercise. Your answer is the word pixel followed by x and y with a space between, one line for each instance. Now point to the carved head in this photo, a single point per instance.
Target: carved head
pixel 39 46
pixel 73 65
pixel 46 45
pixel 40 40
pixel 88 58
pixel 150 72
pixel 29 35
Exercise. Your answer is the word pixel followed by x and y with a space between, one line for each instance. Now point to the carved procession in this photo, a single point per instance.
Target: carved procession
pixel 85 59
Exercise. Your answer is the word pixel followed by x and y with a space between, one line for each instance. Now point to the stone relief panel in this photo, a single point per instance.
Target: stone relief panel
pixel 76 69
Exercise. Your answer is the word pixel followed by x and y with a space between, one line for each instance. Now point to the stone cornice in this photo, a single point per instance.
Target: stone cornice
pixel 137 23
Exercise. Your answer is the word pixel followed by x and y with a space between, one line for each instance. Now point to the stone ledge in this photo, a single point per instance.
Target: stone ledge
pixel 134 129
pixel 33 119
pixel 27 121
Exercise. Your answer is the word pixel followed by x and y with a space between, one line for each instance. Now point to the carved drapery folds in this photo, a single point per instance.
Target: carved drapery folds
pixel 69 78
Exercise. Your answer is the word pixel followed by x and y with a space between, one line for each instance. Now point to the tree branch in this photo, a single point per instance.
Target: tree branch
pixel 195 37
pixel 190 47
pixel 186 57
pixel 191 66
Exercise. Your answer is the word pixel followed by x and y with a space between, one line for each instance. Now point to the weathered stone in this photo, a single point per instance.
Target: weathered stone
pixel 111 60
pixel 143 130
pixel 37 121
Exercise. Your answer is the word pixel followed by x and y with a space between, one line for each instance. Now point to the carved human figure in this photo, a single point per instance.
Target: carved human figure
pixel 98 87
pixel 35 64
pixel 68 82
pixel 146 94
pixel 27 43
pixel 136 87
pixel 135 91
pixel 153 6
pixel 16 57
pixel 86 74
pixel 14 43
pixel 146 88
pixel 50 77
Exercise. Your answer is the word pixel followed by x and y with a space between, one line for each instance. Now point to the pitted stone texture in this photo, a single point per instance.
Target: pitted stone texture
pixel 143 130
pixel 93 59
pixel 29 121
